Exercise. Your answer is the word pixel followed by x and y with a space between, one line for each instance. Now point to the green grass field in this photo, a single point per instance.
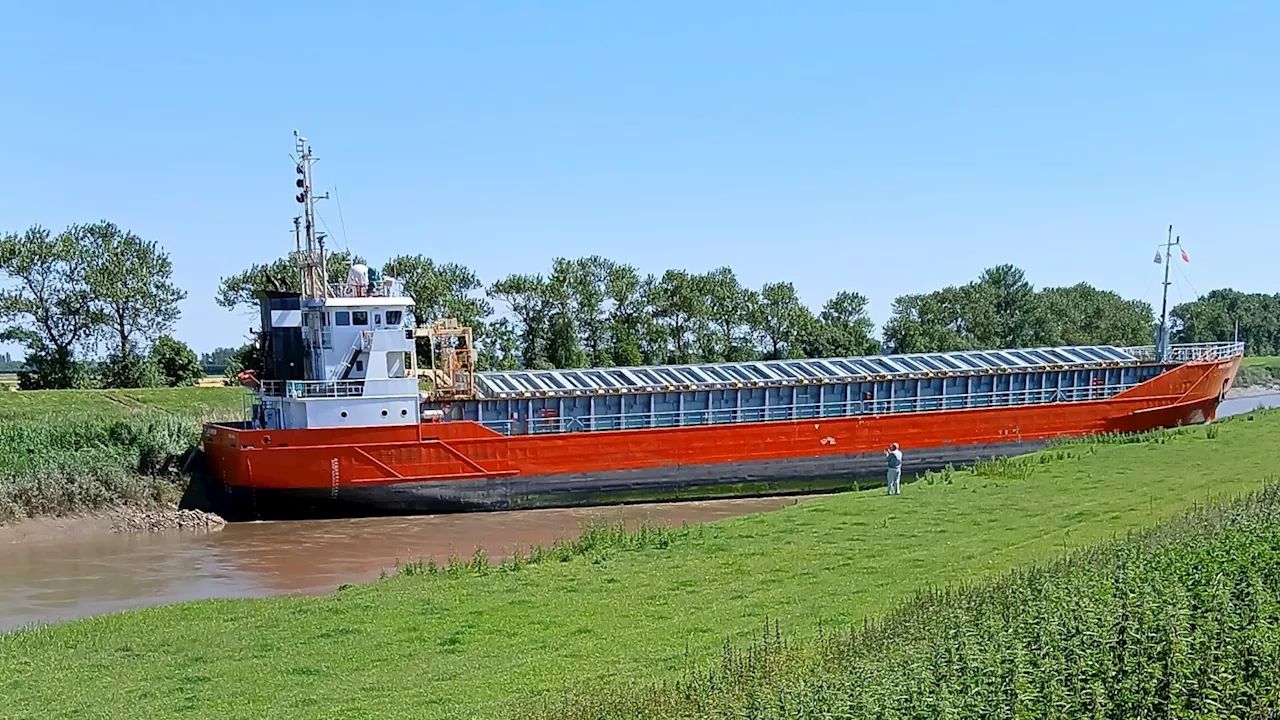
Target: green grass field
pixel 475 645
pixel 194 402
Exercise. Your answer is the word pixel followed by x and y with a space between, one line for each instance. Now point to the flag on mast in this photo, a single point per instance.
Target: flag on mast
pixel 1185 259
pixel 1158 260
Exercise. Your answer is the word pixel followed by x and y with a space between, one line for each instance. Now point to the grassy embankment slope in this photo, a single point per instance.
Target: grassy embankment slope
pixel 1178 621
pixel 1259 371
pixel 71 451
pixel 466 645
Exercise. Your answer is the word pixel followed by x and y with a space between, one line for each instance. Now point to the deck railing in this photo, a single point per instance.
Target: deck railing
pixel 386 288
pixel 803 411
pixel 1190 352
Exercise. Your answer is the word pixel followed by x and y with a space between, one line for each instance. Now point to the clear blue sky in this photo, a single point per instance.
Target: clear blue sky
pixel 887 148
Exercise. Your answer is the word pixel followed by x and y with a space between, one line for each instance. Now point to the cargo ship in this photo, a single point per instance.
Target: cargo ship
pixel 345 421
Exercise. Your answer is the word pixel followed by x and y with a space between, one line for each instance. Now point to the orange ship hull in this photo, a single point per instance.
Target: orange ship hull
pixel 463 465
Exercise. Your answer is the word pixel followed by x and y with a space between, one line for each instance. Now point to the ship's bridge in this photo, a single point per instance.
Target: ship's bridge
pixel 345 359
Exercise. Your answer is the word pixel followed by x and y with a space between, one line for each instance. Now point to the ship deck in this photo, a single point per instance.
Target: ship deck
pixel 603 399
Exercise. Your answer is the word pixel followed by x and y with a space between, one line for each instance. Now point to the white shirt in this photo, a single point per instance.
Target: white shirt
pixel 895 458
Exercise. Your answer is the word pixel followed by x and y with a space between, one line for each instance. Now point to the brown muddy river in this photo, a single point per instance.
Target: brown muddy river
pixel 53 571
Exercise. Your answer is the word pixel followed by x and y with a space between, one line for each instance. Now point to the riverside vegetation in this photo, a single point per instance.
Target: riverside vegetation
pixel 1259 372
pixel 646 616
pixel 65 452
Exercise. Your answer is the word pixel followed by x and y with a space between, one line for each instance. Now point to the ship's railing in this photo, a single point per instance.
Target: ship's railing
pixel 1190 352
pixel 802 411
pixel 387 287
pixel 312 388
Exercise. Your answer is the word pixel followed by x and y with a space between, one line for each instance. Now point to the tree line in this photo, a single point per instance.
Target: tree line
pixel 93 306
pixel 87 288
pixel 592 311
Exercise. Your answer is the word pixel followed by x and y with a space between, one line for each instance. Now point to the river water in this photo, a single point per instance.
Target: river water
pixel 59 570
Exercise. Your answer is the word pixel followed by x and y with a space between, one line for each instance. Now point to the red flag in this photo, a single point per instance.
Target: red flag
pixel 1185 259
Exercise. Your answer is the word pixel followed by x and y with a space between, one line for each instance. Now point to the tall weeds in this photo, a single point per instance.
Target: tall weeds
pixel 1178 621
pixel 598 542
pixel 59 465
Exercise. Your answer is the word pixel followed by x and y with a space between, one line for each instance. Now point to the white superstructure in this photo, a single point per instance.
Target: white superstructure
pixel 340 355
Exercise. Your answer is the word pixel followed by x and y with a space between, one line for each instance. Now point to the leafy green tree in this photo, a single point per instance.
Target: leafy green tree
pixel 131 369
pixel 527 297
pixel 1084 315
pixel 783 322
pixel 216 360
pixel 240 290
pixel 678 302
pixel 176 363
pixel 49 308
pixel 729 309
pixel 499 348
pixel 1216 316
pixel 440 291
pixel 1001 309
pixel 585 286
pixel 928 322
pixel 131 281
pixel 634 336
pixel 563 346
pixel 844 328
pixel 246 357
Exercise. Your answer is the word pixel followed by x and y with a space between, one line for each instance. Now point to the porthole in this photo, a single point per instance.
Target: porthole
pixel 404 413
pixel 344 413
pixel 384 413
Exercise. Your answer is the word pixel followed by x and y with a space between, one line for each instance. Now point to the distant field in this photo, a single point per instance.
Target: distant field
pixel 197 402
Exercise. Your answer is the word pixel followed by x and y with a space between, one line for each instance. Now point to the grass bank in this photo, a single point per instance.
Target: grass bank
pixel 1177 621
pixel 72 451
pixel 1261 371
pixel 479 642
pixel 192 402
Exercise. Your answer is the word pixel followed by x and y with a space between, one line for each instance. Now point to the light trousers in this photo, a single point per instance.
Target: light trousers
pixel 894 484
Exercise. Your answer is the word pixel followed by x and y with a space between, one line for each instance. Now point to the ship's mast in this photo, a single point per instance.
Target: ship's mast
pixel 1162 338
pixel 310 250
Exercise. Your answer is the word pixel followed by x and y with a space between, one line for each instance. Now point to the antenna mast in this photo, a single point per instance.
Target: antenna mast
pixel 310 251
pixel 1162 339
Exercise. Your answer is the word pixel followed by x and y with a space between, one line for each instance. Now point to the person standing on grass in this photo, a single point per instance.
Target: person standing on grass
pixel 894 476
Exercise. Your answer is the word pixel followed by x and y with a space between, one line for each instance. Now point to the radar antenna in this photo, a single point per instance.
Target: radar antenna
pixel 309 248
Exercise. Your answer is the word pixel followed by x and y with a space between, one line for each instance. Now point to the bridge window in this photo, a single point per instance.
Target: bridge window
pixel 342 317
pixel 377 319
pixel 394 318
pixel 360 317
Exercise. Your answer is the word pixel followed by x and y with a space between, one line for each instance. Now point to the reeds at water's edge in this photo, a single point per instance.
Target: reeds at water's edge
pixel 52 466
